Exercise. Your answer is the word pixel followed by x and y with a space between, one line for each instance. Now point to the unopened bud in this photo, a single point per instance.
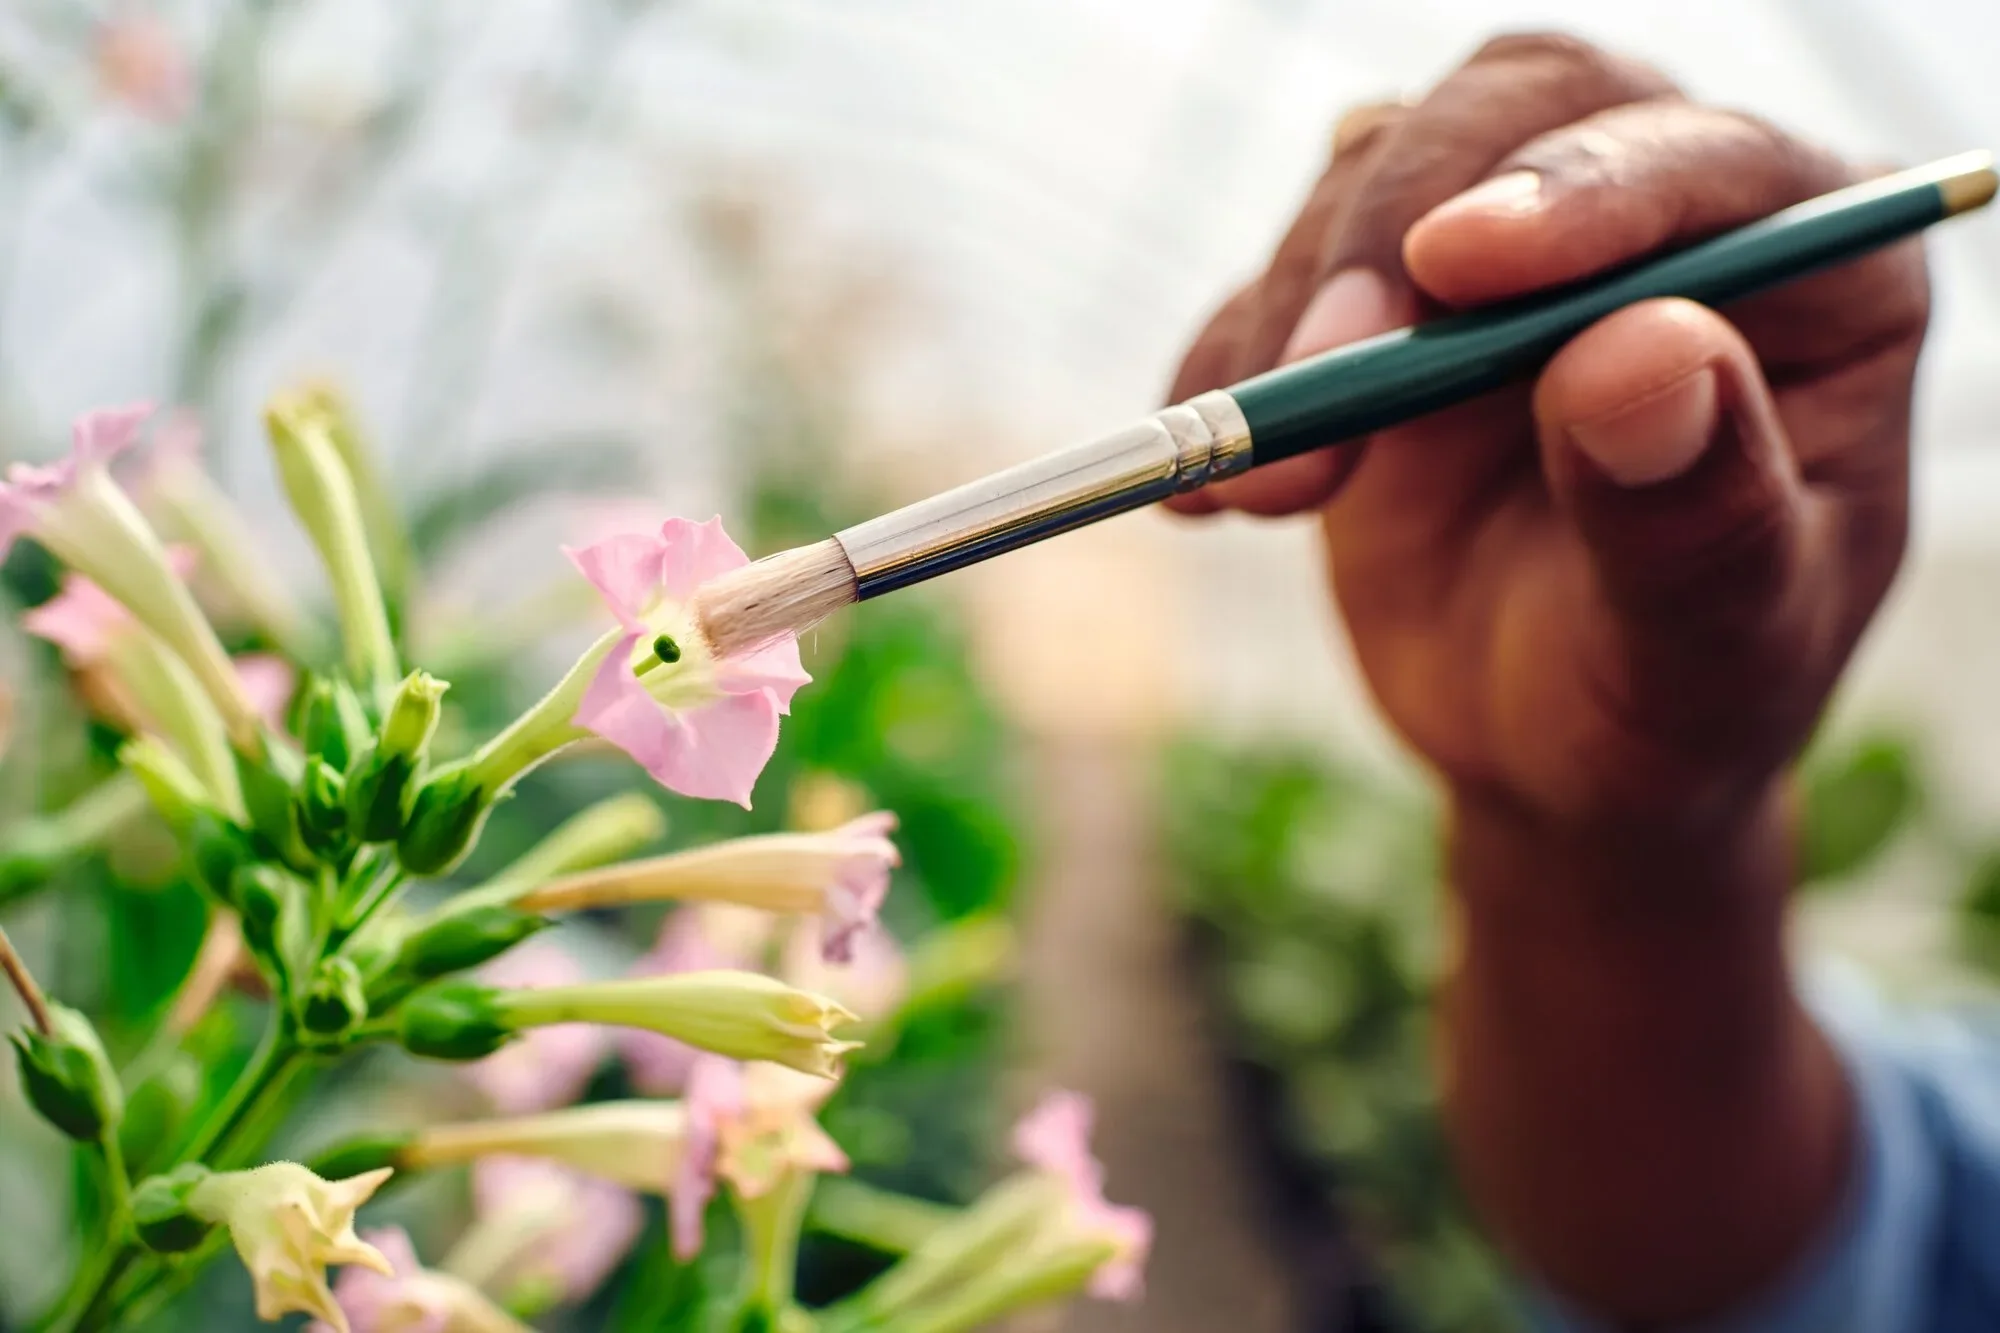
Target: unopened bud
pixel 217 848
pixel 444 822
pixel 267 794
pixel 413 716
pixel 336 1000
pixel 67 1077
pixel 331 722
pixel 157 1110
pixel 453 1020
pixel 459 941
pixel 160 1214
pixel 358 1156
pixel 267 899
pixel 322 812
pixel 380 791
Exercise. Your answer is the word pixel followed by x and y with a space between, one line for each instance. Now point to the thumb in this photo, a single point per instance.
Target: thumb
pixel 1661 442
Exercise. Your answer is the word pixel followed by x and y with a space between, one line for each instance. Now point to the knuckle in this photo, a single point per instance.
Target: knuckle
pixel 1364 126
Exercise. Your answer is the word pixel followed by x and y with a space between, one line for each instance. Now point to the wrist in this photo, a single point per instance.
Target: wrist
pixel 1502 857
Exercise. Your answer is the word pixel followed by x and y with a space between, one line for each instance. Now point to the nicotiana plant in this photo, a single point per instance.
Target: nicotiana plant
pixel 308 803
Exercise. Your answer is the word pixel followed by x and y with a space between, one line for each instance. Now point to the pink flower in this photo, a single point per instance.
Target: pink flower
pixel 140 63
pixel 714 1096
pixel 702 726
pixel 86 622
pixel 751 1125
pixel 545 1066
pixel 589 1224
pixel 871 981
pixel 268 680
pixel 74 509
pixel 96 438
pixel 373 1302
pixel 840 876
pixel 1055 1137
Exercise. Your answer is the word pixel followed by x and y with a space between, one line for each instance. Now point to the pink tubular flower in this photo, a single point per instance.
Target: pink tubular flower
pixel 268 680
pixel 752 1126
pixel 86 623
pixel 572 1229
pixel 872 980
pixel 702 726
pixel 73 508
pixel 714 1096
pixel 1055 1137
pixel 840 876
pixel 413 1299
pixel 141 64
pixel 546 1066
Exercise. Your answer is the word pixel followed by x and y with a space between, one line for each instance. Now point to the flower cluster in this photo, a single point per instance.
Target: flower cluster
pixel 311 793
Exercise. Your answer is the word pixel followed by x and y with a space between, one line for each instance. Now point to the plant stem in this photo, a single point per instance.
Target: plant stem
pixel 771 1238
pixel 274 1054
pixel 24 985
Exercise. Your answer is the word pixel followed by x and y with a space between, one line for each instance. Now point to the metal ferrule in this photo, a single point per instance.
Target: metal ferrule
pixel 1176 449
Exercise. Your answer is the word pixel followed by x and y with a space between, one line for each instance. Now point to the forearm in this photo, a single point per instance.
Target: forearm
pixel 1643 1113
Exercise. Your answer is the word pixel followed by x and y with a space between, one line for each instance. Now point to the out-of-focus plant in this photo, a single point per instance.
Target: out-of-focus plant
pixel 257 179
pixel 1311 889
pixel 323 826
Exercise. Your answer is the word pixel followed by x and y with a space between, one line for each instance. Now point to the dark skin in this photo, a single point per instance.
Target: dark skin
pixel 1606 609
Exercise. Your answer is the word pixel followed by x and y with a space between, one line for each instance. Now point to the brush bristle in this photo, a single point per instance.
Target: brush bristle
pixel 786 593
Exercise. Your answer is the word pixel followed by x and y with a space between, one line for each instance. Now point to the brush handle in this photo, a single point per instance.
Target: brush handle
pixel 1369 385
pixel 1408 373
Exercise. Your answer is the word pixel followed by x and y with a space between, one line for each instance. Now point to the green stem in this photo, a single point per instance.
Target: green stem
pixel 771 1239
pixel 274 1054
pixel 544 728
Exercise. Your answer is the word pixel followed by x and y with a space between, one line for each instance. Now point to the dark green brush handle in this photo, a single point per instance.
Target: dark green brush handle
pixel 1408 373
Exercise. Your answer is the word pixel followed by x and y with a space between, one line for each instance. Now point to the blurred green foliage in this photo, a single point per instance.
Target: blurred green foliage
pixel 1311 889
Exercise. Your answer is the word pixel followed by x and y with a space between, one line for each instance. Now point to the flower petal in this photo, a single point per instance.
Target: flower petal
pixel 775 667
pixel 268 680
pixel 625 570
pixel 100 435
pixel 83 620
pixel 715 1093
pixel 694 553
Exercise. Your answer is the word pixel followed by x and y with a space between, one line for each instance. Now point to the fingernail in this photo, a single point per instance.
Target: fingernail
pixel 1514 193
pixel 1656 437
pixel 1353 305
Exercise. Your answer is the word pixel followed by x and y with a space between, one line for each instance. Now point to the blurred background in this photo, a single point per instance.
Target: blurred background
pixel 578 261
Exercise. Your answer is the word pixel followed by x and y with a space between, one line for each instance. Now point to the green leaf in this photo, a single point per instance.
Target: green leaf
pixel 1855 803
pixel 520 473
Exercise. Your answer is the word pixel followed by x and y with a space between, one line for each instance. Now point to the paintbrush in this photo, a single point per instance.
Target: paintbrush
pixel 1339 395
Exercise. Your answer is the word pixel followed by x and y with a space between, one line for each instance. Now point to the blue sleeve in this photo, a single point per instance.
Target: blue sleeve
pixel 1915 1247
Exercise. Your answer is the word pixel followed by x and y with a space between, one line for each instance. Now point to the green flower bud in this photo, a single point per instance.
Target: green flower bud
pixel 322 813
pixel 331 722
pixel 460 940
pixel 358 1156
pixel 160 1214
pixel 267 794
pixel 413 716
pixel 380 791
pixel 157 1110
pixel 453 1020
pixel 444 822
pixel 67 1077
pixel 217 848
pixel 269 902
pixel 336 1000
